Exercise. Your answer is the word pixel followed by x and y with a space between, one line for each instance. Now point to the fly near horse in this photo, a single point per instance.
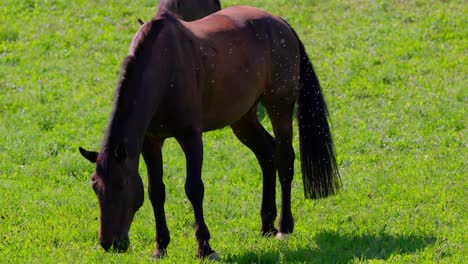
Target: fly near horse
pixel 181 79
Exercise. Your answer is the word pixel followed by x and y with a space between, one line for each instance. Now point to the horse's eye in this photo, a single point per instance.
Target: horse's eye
pixel 93 182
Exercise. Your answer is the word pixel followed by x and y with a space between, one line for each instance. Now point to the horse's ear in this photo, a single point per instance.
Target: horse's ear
pixel 89 155
pixel 140 21
pixel 120 152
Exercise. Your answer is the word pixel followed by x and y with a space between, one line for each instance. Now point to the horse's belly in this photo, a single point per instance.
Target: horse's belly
pixel 229 104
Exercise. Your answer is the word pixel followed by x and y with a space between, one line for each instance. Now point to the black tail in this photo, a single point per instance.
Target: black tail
pixel 319 169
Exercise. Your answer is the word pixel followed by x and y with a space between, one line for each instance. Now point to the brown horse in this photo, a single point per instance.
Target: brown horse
pixel 189 10
pixel 181 79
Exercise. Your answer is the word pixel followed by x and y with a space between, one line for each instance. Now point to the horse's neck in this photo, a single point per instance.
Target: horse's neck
pixel 142 87
pixel 128 123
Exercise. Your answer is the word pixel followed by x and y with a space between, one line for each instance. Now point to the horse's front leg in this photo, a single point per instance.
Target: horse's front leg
pixel 192 145
pixel 157 192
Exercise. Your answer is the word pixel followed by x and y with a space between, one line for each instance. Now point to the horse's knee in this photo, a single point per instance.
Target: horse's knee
pixel 194 190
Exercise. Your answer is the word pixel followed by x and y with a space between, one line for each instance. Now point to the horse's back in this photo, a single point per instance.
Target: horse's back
pixel 246 26
pixel 232 18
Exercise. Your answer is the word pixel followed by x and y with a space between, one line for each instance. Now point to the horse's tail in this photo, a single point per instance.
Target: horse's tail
pixel 318 163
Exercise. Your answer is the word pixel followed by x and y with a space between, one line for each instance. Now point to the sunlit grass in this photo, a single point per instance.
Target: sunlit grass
pixel 393 73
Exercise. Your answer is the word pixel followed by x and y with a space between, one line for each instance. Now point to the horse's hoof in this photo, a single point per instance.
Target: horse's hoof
pixel 270 233
pixel 212 257
pixel 282 236
pixel 158 254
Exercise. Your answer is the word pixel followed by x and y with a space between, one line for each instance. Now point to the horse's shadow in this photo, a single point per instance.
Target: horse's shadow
pixel 331 247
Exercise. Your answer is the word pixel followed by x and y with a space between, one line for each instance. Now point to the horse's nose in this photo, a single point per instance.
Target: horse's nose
pixel 121 245
pixel 105 244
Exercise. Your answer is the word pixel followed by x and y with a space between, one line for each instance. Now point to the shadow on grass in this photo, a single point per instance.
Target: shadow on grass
pixel 332 247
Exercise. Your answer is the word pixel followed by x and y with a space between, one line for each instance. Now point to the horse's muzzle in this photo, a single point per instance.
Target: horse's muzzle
pixel 116 244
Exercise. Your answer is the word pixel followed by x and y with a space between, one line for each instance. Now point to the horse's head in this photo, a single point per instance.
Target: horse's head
pixel 119 190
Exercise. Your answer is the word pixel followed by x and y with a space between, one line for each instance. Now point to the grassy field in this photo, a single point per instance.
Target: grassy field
pixel 394 74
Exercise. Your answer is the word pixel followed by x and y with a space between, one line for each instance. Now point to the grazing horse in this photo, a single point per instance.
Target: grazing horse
pixel 189 10
pixel 181 79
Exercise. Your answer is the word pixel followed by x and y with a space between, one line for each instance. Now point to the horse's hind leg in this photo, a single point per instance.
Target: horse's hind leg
pixel 157 193
pixel 252 134
pixel 280 112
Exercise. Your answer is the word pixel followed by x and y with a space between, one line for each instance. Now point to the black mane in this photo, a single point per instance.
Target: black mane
pixel 128 85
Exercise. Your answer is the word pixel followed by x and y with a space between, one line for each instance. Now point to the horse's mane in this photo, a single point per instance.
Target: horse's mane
pixel 127 87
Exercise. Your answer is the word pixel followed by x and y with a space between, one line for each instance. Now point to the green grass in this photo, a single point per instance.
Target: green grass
pixel 394 74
